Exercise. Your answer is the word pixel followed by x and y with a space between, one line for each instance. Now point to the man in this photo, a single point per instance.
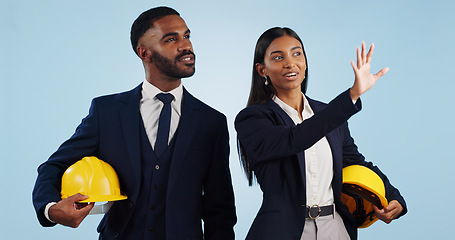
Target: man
pixel 171 184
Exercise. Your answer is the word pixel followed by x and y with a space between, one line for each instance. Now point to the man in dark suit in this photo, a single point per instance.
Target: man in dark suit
pixel 171 184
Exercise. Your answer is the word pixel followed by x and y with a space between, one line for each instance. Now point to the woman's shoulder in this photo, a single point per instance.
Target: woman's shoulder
pixel 268 111
pixel 265 108
pixel 316 104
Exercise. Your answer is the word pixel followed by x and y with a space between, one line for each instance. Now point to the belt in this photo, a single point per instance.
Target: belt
pixel 315 211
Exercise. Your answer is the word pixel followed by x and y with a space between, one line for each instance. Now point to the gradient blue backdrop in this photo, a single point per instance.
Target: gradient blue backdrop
pixel 58 55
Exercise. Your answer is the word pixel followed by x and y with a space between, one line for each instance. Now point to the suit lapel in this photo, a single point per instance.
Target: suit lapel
pixel 286 120
pixel 130 119
pixel 185 133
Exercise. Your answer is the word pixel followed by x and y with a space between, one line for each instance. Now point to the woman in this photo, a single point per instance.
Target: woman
pixel 296 147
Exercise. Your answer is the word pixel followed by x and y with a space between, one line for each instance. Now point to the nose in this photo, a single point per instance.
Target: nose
pixel 185 45
pixel 289 63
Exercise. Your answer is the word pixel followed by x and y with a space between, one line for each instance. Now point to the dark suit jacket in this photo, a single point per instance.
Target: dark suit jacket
pixel 274 147
pixel 199 179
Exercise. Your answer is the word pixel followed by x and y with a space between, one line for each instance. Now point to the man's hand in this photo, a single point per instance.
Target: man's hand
pixel 390 212
pixel 70 213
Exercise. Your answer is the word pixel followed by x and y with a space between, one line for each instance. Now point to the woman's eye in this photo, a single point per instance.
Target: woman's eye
pixel 297 53
pixel 277 57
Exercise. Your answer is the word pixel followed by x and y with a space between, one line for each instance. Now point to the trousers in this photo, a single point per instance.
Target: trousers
pixel 329 227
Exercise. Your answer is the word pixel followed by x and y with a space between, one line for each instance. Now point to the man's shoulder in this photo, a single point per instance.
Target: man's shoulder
pixel 198 104
pixel 133 94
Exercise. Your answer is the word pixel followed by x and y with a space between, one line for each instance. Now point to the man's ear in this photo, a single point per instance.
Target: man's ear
pixel 260 68
pixel 144 53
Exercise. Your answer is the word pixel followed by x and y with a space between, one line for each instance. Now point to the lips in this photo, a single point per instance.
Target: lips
pixel 291 75
pixel 187 58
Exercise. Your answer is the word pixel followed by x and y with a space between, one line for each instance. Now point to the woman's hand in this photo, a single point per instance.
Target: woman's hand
pixel 364 80
pixel 390 212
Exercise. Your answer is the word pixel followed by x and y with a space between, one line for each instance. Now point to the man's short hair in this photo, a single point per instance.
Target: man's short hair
pixel 145 21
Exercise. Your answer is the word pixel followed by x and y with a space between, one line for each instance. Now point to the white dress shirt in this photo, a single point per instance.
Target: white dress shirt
pixel 318 160
pixel 150 108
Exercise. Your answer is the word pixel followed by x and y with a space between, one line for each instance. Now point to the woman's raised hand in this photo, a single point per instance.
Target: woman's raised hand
pixel 364 80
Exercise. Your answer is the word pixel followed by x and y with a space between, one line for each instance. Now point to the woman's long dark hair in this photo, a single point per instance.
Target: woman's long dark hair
pixel 261 93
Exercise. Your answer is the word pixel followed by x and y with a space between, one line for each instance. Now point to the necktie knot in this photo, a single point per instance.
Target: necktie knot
pixel 165 97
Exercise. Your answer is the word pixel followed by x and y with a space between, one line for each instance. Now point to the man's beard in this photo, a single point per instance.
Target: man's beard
pixel 170 68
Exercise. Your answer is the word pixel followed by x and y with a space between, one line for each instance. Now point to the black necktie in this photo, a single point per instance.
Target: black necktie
pixel 164 123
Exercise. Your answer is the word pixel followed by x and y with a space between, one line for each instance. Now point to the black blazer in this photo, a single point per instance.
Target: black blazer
pixel 274 147
pixel 199 179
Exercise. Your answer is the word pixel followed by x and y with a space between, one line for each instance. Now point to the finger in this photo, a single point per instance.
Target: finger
pixel 391 214
pixel 80 205
pixel 359 58
pixel 80 214
pixel 85 210
pixel 370 53
pixel 392 205
pixel 363 53
pixel 82 196
pixel 77 197
pixel 381 73
pixel 354 67
pixel 391 211
pixel 394 208
pixel 382 215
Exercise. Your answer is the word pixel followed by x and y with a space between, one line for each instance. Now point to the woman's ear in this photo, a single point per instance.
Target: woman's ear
pixel 260 68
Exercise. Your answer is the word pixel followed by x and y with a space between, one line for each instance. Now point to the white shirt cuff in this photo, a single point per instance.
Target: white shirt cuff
pixel 46 211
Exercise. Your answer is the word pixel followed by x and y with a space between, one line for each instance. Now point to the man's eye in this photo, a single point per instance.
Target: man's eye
pixel 297 53
pixel 170 40
pixel 187 37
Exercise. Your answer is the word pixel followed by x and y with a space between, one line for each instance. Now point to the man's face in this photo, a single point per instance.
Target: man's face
pixel 171 51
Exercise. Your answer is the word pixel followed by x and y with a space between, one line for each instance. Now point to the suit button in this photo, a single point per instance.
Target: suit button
pixel 151 229
pixel 157 167
pixel 130 205
pixel 116 235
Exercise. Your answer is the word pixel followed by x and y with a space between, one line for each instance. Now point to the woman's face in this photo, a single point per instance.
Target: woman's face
pixel 284 64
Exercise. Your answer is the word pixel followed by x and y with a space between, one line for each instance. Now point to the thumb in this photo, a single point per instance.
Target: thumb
pixel 381 73
pixel 377 210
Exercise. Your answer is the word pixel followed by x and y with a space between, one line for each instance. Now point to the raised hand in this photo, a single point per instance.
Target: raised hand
pixel 70 213
pixel 364 80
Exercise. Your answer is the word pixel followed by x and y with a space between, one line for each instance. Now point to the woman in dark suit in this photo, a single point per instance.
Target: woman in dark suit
pixel 297 147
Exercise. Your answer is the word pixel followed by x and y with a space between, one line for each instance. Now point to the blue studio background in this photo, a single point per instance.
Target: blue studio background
pixel 55 56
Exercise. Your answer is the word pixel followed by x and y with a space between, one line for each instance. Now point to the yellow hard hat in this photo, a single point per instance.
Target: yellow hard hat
pixel 362 188
pixel 92 177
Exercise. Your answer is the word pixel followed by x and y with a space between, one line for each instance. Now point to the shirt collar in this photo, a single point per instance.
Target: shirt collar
pixel 151 91
pixel 291 112
pixel 306 106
